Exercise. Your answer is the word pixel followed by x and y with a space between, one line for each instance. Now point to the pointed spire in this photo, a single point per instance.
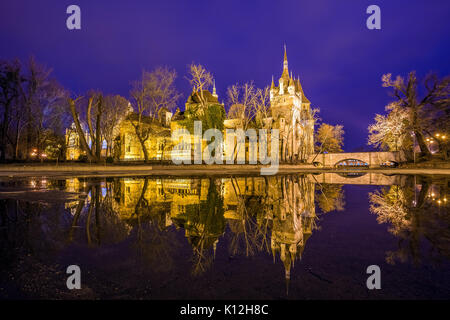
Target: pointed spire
pixel 214 89
pixel 285 64
pixel 285 54
pixel 272 86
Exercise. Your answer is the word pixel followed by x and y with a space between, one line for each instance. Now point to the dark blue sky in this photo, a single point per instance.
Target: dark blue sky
pixel 340 62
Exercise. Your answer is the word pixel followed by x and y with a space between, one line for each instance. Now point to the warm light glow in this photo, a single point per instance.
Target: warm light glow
pixel 43 155
pixel 437 134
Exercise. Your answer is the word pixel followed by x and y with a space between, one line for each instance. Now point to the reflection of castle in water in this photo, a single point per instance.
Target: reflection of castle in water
pixel 273 214
pixel 135 218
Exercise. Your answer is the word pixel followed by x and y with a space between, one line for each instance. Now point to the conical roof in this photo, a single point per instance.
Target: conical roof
pixel 300 89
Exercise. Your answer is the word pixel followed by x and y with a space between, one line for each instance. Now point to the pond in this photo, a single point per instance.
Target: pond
pixel 297 236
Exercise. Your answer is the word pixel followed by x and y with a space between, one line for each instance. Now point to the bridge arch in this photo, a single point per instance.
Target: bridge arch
pixel 373 159
pixel 351 163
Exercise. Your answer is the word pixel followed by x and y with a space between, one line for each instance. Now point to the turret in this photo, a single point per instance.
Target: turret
pixel 272 89
pixel 291 87
pixel 214 94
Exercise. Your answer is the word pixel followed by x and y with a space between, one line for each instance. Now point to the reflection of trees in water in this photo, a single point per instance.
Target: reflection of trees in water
pixel 204 223
pixel 94 221
pixel 330 197
pixel 416 220
pixel 250 229
pixel 154 244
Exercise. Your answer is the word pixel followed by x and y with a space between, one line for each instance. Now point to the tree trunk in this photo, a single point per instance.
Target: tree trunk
pixel 16 141
pixel 28 132
pixel 4 131
pixel 80 132
pixel 142 142
pixel 98 142
pixel 422 145
pixel 89 121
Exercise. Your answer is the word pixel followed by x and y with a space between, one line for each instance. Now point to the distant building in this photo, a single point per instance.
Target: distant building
pixel 128 146
pixel 73 145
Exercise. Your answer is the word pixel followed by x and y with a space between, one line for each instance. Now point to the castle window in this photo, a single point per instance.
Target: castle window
pixel 128 148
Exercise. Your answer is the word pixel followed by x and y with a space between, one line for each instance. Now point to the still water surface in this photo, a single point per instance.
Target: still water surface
pixel 228 237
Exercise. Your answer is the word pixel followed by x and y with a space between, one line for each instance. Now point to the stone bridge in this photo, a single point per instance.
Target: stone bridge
pixel 371 159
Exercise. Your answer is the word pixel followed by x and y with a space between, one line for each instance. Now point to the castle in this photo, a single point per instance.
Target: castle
pixel 289 112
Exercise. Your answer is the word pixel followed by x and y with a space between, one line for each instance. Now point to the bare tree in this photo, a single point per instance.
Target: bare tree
pixel 389 131
pixel 242 99
pixel 421 112
pixel 115 111
pixel 10 79
pixel 329 138
pixel 200 79
pixel 154 91
pixel 31 90
pixel 261 106
pixel 81 134
pixel 32 105
pixel 249 105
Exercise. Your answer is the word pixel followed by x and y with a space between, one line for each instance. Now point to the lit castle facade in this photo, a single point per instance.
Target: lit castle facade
pixel 289 112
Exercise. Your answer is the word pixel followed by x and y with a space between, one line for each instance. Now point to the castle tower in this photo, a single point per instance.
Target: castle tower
pixel 291 114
